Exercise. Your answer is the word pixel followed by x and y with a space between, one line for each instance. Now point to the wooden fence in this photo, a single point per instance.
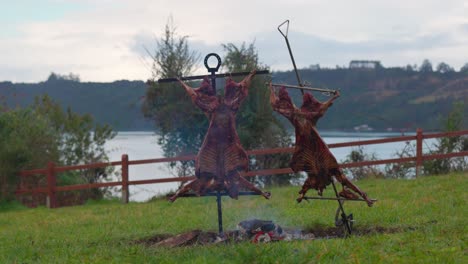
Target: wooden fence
pixel 51 171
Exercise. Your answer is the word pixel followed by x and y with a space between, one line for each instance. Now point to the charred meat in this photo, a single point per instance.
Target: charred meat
pixel 221 158
pixel 311 154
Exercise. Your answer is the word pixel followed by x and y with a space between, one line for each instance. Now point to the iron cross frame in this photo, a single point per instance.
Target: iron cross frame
pixel 213 76
pixel 212 70
pixel 346 220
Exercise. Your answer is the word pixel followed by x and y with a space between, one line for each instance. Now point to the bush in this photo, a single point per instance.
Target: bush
pixel 33 136
pixel 358 155
pixel 27 141
pixel 453 122
pixel 404 170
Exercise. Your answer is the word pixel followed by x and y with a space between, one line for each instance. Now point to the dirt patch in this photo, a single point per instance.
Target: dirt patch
pixel 153 240
pixel 199 237
pixel 339 232
pixel 191 238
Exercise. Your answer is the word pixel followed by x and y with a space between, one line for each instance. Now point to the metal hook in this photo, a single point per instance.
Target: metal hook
pixel 287 28
pixel 212 69
pixel 299 82
pixel 324 91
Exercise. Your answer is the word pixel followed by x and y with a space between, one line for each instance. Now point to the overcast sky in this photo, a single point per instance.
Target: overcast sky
pixel 104 41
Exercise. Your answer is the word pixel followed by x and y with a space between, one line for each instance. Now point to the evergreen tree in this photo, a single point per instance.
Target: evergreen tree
pixel 179 124
pixel 426 66
pixel 182 126
pixel 464 68
pixel 256 123
pixel 444 68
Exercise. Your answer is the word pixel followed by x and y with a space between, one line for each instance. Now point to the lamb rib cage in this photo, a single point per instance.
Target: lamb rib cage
pixel 216 180
pixel 221 157
pixel 312 155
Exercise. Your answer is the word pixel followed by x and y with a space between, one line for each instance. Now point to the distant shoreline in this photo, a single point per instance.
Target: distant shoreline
pixel 323 133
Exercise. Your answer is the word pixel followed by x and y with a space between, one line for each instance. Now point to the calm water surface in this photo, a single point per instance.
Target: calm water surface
pixel 143 145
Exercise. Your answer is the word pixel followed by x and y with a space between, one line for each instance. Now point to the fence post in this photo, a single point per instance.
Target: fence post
pixel 125 193
pixel 51 199
pixel 419 152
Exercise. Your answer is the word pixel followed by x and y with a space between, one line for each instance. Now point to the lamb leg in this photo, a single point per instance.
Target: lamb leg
pixel 252 187
pixel 184 189
pixel 345 182
pixel 305 187
pixel 310 183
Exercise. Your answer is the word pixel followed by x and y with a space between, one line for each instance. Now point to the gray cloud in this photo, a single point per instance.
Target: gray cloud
pixel 143 43
pixel 311 49
pixel 15 74
pixel 464 28
pixel 106 41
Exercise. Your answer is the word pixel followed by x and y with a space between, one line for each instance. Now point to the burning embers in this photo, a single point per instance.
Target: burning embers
pixel 259 231
pixel 221 158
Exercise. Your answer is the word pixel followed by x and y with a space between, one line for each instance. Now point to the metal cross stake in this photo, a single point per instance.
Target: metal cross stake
pixel 301 85
pixel 212 71
pixel 346 220
pixel 218 195
pixel 213 76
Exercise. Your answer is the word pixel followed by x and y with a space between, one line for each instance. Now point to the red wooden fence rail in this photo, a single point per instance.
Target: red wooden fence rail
pixel 52 170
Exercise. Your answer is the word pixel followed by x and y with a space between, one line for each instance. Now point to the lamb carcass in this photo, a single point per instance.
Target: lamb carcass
pixel 221 158
pixel 311 154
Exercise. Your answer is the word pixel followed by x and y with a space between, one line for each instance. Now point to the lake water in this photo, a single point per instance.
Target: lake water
pixel 143 145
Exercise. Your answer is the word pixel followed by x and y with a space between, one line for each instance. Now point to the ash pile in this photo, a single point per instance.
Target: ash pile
pixel 254 230
pixel 263 231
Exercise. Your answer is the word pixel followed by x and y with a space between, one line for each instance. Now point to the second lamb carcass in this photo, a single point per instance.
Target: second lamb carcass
pixel 221 158
pixel 311 154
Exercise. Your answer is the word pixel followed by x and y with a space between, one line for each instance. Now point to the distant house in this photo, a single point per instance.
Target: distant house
pixel 363 128
pixel 364 64
pixel 314 67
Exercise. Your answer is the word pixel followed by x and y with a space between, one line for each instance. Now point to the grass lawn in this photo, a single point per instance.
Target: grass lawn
pixel 414 221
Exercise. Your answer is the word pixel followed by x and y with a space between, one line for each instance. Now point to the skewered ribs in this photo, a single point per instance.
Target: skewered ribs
pixel 311 154
pixel 221 158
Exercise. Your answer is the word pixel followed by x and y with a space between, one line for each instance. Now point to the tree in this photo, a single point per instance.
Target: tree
pixel 26 142
pixel 403 170
pixel 255 118
pixel 182 126
pixel 80 141
pixel 256 124
pixel 30 137
pixel 453 122
pixel 426 66
pixel 409 68
pixel 179 124
pixel 172 56
pixel 464 68
pixel 54 77
pixel 357 173
pixel 444 68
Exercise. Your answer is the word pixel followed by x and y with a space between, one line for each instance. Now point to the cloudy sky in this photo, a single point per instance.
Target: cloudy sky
pixel 103 40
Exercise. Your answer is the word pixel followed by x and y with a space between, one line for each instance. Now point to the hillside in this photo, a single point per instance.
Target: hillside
pixel 117 103
pixel 386 98
pixel 383 98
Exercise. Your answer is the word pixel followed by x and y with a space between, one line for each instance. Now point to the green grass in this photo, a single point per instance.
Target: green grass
pixel 423 221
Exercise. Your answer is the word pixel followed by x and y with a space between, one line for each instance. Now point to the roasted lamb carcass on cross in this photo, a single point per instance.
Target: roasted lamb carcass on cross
pixel 221 158
pixel 311 154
